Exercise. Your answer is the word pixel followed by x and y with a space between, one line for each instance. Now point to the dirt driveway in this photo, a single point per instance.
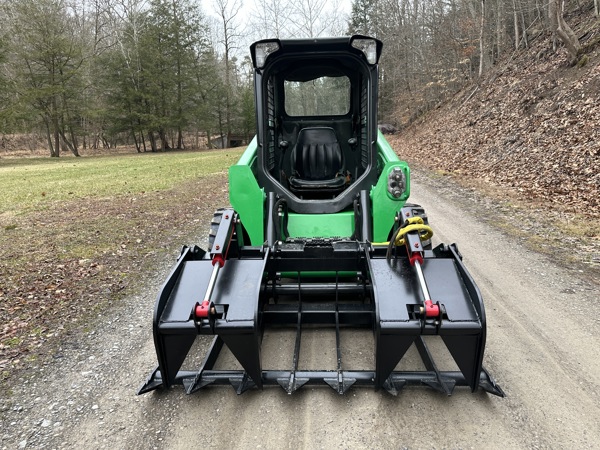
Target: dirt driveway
pixel 542 348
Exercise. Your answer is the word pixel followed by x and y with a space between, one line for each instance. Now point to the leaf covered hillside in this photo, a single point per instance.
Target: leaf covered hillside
pixel 530 127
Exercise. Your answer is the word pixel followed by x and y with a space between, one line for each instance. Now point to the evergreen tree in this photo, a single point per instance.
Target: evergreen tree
pixel 154 82
pixel 364 18
pixel 47 55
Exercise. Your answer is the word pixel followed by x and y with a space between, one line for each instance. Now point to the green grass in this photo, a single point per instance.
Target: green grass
pixel 28 184
pixel 77 235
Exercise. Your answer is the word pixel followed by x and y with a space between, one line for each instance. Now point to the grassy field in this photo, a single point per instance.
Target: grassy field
pixel 81 233
pixel 31 183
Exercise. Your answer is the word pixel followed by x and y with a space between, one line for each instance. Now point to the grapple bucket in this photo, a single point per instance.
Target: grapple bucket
pixel 236 292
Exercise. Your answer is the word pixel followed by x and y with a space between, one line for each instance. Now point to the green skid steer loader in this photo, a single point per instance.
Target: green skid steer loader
pixel 320 235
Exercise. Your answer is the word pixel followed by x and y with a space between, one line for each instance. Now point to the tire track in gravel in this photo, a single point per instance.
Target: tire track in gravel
pixel 541 338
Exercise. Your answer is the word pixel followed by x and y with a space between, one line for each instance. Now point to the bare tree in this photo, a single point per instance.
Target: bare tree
pixel 228 11
pixel 308 18
pixel 481 38
pixel 272 18
pixel 335 20
pixel 562 29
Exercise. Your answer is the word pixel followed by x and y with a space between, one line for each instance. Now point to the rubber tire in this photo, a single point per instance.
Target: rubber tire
pixel 214 227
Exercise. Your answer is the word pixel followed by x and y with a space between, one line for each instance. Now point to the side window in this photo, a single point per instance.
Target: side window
pixel 323 96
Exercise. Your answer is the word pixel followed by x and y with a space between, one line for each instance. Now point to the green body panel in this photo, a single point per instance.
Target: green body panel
pixel 321 225
pixel 247 198
pixel 384 205
pixel 384 150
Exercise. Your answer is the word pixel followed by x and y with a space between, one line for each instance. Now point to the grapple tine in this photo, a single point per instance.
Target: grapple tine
pixel 197 383
pixel 488 384
pixel 154 381
pixel 442 384
pixel 242 384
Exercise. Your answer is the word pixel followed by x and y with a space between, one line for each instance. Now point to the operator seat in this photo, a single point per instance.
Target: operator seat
pixel 317 162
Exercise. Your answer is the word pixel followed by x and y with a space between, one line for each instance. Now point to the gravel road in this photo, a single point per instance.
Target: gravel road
pixel 542 348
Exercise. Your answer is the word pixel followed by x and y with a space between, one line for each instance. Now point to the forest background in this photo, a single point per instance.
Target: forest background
pixel 163 74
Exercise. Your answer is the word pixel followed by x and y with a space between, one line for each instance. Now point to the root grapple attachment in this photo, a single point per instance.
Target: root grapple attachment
pixel 406 295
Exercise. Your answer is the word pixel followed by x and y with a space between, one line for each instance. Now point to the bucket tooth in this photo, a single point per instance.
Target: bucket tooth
pixel 488 384
pixel 292 383
pixel 393 386
pixel 242 384
pixel 340 384
pixel 153 382
pixel 445 386
pixel 246 349
pixel 191 385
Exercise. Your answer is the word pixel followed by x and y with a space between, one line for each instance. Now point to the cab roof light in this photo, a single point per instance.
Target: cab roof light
pixel 263 50
pixel 368 47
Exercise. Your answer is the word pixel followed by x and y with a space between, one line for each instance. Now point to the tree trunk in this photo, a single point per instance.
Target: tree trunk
pixel 499 30
pixel 152 140
pixel 597 7
pixel 525 41
pixel 481 34
pixel 74 140
pixel 560 27
pixel 164 140
pixel 49 136
pixel 69 145
pixel 56 132
pixel 56 152
pixel 516 25
pixel 137 144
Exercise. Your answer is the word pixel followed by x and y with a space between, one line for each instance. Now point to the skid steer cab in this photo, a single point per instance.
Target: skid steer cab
pixel 319 235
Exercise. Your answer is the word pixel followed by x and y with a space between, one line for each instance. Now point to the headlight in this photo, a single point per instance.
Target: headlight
pixel 368 47
pixel 396 182
pixel 263 50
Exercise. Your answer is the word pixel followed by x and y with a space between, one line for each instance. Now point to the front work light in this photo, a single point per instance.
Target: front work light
pixel 263 50
pixel 396 182
pixel 368 47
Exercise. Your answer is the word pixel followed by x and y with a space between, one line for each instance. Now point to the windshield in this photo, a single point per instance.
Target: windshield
pixel 323 96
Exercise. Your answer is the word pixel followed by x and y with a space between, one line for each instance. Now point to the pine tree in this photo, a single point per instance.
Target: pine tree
pixel 46 56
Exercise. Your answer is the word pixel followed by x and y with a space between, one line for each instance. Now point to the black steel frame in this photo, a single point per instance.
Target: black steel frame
pixel 362 289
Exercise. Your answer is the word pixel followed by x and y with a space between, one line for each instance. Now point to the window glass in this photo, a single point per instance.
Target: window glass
pixel 324 96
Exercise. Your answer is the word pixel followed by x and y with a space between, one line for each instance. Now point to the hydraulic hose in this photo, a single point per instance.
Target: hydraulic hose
pixel 409 225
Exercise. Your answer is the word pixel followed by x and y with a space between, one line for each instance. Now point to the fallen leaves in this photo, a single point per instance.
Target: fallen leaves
pixel 533 131
pixel 66 263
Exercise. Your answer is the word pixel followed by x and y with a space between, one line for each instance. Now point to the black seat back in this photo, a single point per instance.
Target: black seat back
pixel 317 155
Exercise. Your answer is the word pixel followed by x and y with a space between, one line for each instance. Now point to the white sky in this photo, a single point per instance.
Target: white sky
pixel 340 9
